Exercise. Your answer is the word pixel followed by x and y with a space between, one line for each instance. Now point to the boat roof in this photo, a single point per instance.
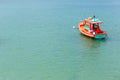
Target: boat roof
pixel 96 21
pixel 93 21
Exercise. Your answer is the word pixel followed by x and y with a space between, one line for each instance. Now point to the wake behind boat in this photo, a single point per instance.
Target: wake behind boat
pixel 91 28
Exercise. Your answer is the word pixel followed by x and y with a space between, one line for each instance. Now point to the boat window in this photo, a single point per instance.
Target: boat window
pixel 95 26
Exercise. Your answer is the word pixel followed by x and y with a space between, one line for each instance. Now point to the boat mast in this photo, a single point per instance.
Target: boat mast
pixel 94 16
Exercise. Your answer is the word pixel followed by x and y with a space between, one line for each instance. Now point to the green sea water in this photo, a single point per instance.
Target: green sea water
pixel 37 41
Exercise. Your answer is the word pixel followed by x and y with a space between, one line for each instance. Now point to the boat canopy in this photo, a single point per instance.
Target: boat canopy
pixel 96 21
pixel 93 21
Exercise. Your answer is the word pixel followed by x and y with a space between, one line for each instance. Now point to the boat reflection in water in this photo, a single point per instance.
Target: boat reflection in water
pixel 92 43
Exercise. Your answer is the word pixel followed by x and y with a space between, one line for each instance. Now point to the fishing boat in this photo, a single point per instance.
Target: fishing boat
pixel 91 28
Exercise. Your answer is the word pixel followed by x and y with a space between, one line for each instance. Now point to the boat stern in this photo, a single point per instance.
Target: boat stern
pixel 100 36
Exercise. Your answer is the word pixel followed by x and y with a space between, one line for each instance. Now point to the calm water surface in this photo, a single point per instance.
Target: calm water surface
pixel 37 42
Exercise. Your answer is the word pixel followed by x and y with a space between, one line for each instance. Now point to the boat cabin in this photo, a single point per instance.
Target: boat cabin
pixel 93 25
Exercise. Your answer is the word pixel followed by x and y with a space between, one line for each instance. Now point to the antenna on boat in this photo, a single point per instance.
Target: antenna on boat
pixel 94 17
